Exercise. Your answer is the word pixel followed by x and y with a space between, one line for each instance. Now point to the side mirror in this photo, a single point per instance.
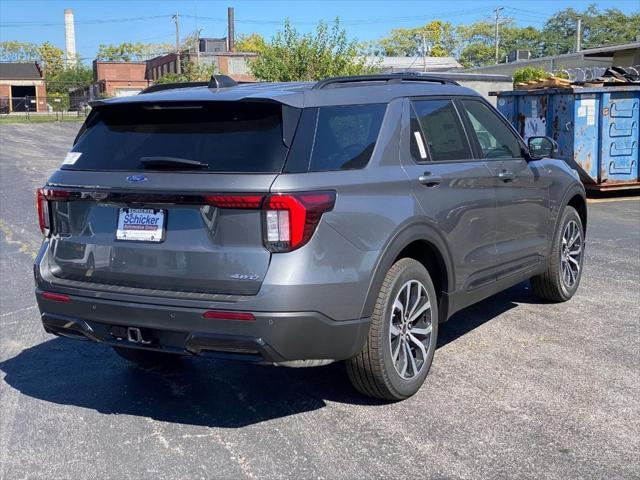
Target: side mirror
pixel 542 146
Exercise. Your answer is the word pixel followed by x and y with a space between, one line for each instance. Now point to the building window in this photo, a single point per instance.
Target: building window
pixel 237 66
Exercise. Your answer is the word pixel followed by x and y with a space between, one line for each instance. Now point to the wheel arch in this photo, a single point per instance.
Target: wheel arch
pixel 574 197
pixel 423 243
pixel 579 202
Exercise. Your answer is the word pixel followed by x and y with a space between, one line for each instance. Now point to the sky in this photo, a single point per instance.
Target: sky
pixel 149 21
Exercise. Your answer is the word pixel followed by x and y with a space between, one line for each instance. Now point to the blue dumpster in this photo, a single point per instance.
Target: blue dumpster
pixel 597 129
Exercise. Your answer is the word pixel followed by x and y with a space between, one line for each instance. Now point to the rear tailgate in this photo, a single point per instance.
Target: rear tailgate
pixel 115 222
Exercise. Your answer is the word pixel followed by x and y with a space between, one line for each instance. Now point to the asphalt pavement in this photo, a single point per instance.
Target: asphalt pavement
pixel 518 388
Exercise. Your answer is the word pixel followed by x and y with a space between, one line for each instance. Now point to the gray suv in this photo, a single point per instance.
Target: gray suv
pixel 300 223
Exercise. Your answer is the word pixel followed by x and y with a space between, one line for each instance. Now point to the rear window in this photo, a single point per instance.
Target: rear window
pixel 227 137
pixel 345 136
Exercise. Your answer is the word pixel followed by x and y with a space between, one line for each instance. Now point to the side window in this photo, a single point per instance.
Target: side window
pixel 445 137
pixel 345 136
pixel 495 139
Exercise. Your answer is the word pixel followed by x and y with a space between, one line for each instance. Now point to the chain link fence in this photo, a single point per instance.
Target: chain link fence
pixel 53 107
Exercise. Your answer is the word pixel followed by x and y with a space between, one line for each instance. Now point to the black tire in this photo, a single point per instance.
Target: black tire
pixel 147 358
pixel 373 372
pixel 550 285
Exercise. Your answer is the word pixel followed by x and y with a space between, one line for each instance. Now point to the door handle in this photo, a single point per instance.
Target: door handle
pixel 429 180
pixel 506 176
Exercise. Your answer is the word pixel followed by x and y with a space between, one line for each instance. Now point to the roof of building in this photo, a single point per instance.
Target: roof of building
pixel 412 63
pixel 214 39
pixel 301 94
pixel 588 53
pixel 20 71
pixel 610 49
pixel 120 62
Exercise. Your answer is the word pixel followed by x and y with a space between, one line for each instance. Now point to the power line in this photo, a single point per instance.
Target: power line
pixel 81 22
pixel 370 21
pixel 529 12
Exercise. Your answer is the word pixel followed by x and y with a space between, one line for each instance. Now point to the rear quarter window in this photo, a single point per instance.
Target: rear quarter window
pixel 345 136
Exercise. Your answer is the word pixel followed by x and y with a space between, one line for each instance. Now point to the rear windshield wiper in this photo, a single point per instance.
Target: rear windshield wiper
pixel 171 162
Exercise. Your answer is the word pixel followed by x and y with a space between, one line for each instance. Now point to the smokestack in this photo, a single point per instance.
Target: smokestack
pixel 230 29
pixel 70 38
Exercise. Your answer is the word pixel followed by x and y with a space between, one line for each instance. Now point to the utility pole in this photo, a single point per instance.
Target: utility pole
pixel 230 29
pixel 424 53
pixel 497 12
pixel 176 18
pixel 579 34
pixel 198 30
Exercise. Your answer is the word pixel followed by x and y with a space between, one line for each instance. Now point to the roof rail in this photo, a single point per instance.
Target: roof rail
pixel 170 86
pixel 386 77
pixel 221 81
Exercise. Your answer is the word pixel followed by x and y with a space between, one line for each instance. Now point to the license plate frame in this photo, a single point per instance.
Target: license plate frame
pixel 139 231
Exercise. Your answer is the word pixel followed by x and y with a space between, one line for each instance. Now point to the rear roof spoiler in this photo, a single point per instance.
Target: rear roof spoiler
pixel 170 86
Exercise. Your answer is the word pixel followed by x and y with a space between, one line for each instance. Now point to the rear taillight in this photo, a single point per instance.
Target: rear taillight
pixel 290 219
pixel 42 205
pixel 234 201
pixel 220 315
pixel 56 297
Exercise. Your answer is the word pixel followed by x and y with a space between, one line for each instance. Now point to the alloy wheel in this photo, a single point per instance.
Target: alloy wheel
pixel 571 254
pixel 410 329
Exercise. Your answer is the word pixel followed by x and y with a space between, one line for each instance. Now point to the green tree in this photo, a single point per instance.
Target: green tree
pixel 439 38
pixel 69 79
pixel 612 27
pixel 291 56
pixel 559 31
pixel 599 28
pixel 521 38
pixel 129 52
pixel 477 54
pixel 51 59
pixel 254 42
pixel 477 42
pixel 13 51
pixel 191 72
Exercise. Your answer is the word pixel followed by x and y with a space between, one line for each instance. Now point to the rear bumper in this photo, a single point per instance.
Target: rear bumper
pixel 271 337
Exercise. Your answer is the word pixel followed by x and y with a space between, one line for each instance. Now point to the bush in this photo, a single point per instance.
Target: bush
pixel 292 56
pixel 525 74
pixel 58 102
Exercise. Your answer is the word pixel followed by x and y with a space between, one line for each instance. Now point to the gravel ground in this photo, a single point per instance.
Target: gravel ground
pixel 518 389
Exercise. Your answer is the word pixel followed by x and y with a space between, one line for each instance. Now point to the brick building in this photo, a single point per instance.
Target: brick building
pixel 22 88
pixel 111 79
pixel 119 79
pixel 213 51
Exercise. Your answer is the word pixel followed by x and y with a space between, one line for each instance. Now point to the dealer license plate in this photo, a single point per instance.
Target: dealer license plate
pixel 141 224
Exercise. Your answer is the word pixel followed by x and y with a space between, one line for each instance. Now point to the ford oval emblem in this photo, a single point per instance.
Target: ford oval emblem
pixel 136 178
